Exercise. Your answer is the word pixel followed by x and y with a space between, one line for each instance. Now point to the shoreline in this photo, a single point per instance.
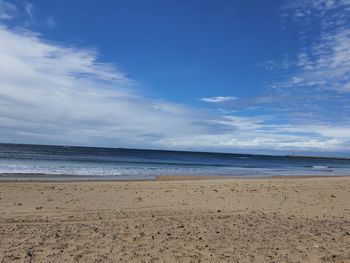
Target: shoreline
pixel 65 178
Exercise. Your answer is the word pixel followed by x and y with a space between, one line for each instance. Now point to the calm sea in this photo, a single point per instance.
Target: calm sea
pixel 65 163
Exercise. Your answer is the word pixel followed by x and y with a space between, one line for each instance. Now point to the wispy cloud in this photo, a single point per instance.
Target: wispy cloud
pixel 7 10
pixel 51 22
pixel 218 99
pixel 29 9
pixel 24 12
pixel 324 63
pixel 313 83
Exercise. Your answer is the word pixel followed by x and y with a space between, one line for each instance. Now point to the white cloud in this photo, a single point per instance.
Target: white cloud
pixel 7 10
pixel 244 133
pixel 54 94
pixel 241 124
pixel 218 99
pixel 259 142
pixel 66 95
pixel 326 66
pixel 325 62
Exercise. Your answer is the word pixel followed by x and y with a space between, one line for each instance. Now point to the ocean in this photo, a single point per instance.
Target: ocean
pixel 39 162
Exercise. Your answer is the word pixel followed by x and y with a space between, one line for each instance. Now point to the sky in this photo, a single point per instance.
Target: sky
pixel 269 77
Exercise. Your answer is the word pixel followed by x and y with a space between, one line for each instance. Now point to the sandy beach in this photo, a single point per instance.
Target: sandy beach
pixel 183 220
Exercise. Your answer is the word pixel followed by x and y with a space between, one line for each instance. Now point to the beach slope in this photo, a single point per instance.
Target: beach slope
pixel 186 220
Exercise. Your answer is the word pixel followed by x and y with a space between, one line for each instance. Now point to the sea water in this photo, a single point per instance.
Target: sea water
pixel 38 162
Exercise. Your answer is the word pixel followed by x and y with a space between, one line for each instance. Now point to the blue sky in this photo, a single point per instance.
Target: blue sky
pixel 232 76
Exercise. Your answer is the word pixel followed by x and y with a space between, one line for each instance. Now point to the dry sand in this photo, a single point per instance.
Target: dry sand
pixel 209 220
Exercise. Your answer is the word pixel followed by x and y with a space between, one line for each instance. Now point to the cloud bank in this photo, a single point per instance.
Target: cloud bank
pixel 63 95
pixel 52 93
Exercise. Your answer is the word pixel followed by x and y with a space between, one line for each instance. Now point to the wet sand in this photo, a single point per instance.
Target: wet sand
pixel 183 220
